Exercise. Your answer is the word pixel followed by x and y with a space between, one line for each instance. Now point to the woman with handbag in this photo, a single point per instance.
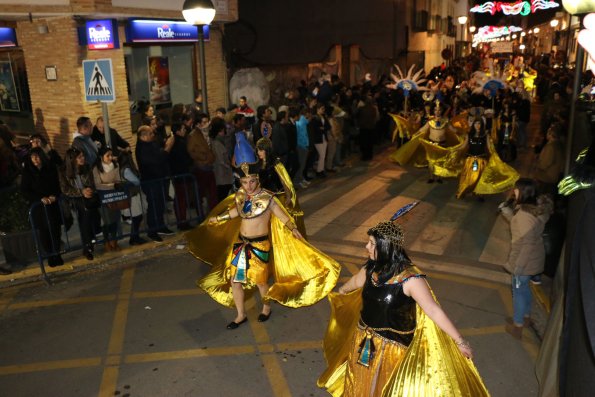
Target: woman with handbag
pixel 76 183
pixel 129 173
pixel 106 175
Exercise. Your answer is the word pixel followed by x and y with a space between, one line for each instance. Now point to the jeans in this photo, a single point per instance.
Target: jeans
pixel 155 192
pixel 521 298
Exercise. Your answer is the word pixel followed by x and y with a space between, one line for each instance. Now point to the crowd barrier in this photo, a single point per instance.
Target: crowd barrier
pixel 152 195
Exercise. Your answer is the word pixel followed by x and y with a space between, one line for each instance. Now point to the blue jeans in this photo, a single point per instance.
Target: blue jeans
pixel 521 298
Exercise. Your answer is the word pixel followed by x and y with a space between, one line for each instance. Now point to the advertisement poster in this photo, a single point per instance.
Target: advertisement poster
pixel 8 91
pixel 159 80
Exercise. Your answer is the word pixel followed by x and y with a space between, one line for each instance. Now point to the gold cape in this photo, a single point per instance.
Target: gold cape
pixel 497 177
pixel 444 161
pixel 302 274
pixel 432 365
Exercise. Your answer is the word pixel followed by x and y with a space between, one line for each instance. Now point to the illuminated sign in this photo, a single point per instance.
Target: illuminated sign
pixel 8 37
pixel 139 31
pixel 488 33
pixel 102 34
pixel 522 7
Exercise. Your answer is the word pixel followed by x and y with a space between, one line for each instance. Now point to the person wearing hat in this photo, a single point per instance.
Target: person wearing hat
pixel 388 336
pixel 252 237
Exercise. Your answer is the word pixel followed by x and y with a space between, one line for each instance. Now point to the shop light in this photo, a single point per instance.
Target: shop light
pixel 198 12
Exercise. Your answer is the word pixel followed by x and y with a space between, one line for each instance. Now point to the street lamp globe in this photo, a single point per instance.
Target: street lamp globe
pixel 554 23
pixel 536 30
pixel 198 12
pixel 472 29
pixel 523 34
pixel 522 47
pixel 462 19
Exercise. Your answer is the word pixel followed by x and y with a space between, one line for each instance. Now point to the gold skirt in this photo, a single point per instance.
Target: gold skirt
pixel 469 177
pixel 361 381
pixel 256 255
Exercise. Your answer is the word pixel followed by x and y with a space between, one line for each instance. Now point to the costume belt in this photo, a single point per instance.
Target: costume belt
pixel 366 348
pixel 242 253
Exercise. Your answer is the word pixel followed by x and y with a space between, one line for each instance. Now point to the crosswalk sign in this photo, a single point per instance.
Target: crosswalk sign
pixel 99 80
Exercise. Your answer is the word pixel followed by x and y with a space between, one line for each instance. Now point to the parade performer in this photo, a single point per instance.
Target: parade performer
pixel 274 177
pixel 388 336
pixel 253 238
pixel 483 171
pixel 441 139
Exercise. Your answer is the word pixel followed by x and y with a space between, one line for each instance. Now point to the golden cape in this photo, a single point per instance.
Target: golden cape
pixel 302 274
pixel 445 161
pixel 432 365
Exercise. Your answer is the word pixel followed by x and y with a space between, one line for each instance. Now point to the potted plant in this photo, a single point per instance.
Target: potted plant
pixel 15 229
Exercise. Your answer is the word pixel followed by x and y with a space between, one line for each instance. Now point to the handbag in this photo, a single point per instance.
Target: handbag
pixel 117 199
pixel 118 205
pixel 93 202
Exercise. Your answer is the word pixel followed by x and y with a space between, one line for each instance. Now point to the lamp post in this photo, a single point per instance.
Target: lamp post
pixel 462 21
pixel 200 13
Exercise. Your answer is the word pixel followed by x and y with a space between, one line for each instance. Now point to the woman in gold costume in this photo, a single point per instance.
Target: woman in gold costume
pixel 401 343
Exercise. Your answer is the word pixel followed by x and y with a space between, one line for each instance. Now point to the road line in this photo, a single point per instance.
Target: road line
pixel 186 354
pixel 50 365
pixel 109 379
pixel 57 302
pixel 306 345
pixel 338 207
pixel 7 297
pixel 275 374
pixel 497 246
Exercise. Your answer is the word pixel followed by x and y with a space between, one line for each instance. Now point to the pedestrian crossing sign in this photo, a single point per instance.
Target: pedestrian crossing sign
pixel 99 80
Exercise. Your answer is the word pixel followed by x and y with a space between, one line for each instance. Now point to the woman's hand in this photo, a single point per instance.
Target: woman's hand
pixel 296 233
pixel 465 348
pixel 213 221
pixel 88 192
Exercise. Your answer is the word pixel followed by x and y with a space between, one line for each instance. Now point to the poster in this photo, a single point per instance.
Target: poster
pixel 9 100
pixel 159 80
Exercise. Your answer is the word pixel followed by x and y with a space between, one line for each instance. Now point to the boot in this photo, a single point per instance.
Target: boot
pixel 107 246
pixel 115 246
pixel 515 331
pixel 527 321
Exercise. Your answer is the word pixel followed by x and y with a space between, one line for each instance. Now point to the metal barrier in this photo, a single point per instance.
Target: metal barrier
pixel 153 197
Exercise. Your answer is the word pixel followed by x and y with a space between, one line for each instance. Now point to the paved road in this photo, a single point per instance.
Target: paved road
pixel 141 328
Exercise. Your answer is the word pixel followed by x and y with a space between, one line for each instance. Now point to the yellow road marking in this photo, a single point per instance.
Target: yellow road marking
pixel 165 294
pixel 109 379
pixel 306 345
pixel 7 298
pixel 50 365
pixel 56 302
pixel 191 353
pixel 275 374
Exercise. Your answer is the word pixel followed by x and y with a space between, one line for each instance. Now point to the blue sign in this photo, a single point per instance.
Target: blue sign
pixel 149 31
pixel 102 34
pixel 99 80
pixel 8 37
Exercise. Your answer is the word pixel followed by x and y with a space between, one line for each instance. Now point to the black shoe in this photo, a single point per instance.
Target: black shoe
pixel 4 271
pixel 321 174
pixel 332 170
pixel 165 231
pixel 440 181
pixel 308 179
pixel 234 325
pixel 155 237
pixel 264 317
pixel 430 180
pixel 88 254
pixel 138 241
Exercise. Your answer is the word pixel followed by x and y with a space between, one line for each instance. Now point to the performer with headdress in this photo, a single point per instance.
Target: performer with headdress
pixel 483 171
pixel 388 336
pixel 274 177
pixel 253 238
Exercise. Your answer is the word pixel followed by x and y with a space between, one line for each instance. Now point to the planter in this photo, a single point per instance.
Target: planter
pixel 19 248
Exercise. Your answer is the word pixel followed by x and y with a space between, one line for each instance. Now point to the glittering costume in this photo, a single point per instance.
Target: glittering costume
pixel 403 363
pixel 483 171
pixel 436 145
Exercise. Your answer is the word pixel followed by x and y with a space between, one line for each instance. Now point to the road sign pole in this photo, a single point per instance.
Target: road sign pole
pixel 108 135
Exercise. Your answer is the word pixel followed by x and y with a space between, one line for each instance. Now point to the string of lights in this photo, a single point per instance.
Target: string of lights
pixel 522 7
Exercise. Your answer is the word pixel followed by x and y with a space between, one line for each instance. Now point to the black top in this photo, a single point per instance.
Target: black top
pixel 387 306
pixel 152 160
pixel 477 145
pixel 179 159
pixel 116 140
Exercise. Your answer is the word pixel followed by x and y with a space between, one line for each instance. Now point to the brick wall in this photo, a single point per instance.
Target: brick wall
pixel 217 87
pixel 61 102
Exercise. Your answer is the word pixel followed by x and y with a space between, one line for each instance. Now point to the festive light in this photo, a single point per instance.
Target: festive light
pixel 522 7
pixel 491 33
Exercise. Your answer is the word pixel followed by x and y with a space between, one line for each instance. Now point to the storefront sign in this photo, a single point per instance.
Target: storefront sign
pixel 143 31
pixel 501 46
pixel 8 37
pixel 102 34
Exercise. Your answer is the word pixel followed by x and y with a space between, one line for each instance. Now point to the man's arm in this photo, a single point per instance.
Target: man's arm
pixel 224 217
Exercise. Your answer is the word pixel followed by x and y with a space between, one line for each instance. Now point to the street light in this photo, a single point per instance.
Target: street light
pixel 554 23
pixel 200 13
pixel 536 30
pixel 462 21
pixel 472 29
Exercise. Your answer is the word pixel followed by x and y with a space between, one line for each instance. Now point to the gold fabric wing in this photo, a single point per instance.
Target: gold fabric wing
pixel 402 127
pixel 432 366
pixel 497 177
pixel 445 161
pixel 411 152
pixel 293 207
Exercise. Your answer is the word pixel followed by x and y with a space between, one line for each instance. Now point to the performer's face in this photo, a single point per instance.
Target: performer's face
pixel 371 247
pixel 250 184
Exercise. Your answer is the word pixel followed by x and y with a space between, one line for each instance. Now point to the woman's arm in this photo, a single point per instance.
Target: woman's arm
pixel 355 282
pixel 418 289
